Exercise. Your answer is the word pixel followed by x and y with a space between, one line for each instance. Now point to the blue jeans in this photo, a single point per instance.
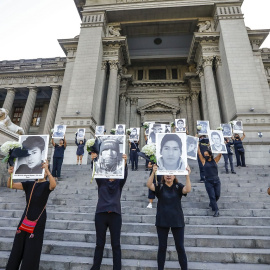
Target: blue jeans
pixel 240 158
pixel 57 165
pixel 230 158
pixel 213 189
pixel 134 159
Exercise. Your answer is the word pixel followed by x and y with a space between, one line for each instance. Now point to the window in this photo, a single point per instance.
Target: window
pixel 157 74
pixel 36 116
pixel 140 74
pixel 174 74
pixel 17 115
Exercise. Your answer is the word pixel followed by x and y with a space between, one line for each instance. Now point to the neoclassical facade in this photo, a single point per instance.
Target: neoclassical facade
pixel 146 60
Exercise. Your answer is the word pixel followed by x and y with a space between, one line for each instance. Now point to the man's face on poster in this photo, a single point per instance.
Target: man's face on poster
pixel 99 129
pixel 216 139
pixel 171 151
pixel 80 133
pixel 191 147
pixel 157 129
pixel 204 127
pixel 60 129
pixel 109 157
pixel 180 124
pixel 120 130
pixel 134 132
pixel 35 157
pixel 226 129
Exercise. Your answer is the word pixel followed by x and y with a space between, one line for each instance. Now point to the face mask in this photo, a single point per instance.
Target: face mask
pixel 207 158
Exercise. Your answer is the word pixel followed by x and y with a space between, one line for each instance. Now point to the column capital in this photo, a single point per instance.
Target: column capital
pixel 182 99
pixel 194 95
pixel 123 97
pixel 134 101
pixel 207 61
pixel 10 89
pixel 114 64
pixel 200 71
pixel 104 65
pixel 55 87
pixel 33 88
pixel 218 61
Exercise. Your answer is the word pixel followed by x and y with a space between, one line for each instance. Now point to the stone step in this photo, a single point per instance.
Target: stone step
pixel 213 241
pixel 52 262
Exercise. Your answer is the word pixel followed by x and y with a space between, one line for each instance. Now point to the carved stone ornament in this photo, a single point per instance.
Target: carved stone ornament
pixel 207 61
pixel 113 64
pixel 134 101
pixel 104 65
pixel 218 61
pixel 204 27
pixel 114 31
pixel 6 123
pixel 194 95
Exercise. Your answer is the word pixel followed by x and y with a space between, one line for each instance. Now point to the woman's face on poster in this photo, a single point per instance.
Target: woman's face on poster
pixel 35 157
pixel 171 152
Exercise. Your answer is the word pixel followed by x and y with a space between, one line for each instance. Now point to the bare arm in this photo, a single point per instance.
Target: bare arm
pixel 53 143
pixel 187 187
pixel 149 183
pixel 14 185
pixel 65 142
pixel 45 166
pixel 202 159
pixel 243 137
pixel 217 158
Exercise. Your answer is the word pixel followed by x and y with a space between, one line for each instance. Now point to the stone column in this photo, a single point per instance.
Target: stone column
pixel 127 112
pixel 122 109
pixel 142 130
pixel 111 96
pixel 8 103
pixel 117 99
pixel 29 109
pixel 52 109
pixel 195 109
pixel 204 97
pixel 133 112
pixel 211 93
pixel 183 107
pixel 190 125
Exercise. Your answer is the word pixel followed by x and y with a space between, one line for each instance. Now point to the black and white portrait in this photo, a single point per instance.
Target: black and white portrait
pixel 80 133
pixel 226 130
pixel 30 167
pixel 237 127
pixel 205 127
pixel 110 163
pixel 168 129
pixel 192 147
pixel 135 134
pixel 171 154
pixel 59 131
pixel 153 130
pixel 99 130
pixel 120 129
pixel 216 140
pixel 180 125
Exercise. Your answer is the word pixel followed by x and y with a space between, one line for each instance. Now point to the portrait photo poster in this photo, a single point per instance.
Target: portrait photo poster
pixel 238 127
pixel 30 167
pixel 135 134
pixel 110 163
pixel 192 147
pixel 155 128
pixel 99 130
pixel 168 129
pixel 217 143
pixel 120 129
pixel 205 127
pixel 59 131
pixel 146 132
pixel 80 134
pixel 171 153
pixel 226 130
pixel 180 125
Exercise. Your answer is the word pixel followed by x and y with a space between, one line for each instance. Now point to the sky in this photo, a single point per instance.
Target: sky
pixel 30 28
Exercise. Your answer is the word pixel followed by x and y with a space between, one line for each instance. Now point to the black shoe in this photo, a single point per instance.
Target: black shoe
pixel 202 180
pixel 216 214
pixel 233 172
pixel 146 170
pixel 227 172
pixel 136 170
pixel 244 166
pixel 132 169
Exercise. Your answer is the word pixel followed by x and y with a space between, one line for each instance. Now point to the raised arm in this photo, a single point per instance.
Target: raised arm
pixel 217 158
pixel 65 142
pixel 14 185
pixel 45 166
pixel 53 143
pixel 149 183
pixel 243 137
pixel 202 159
pixel 187 187
pixel 76 141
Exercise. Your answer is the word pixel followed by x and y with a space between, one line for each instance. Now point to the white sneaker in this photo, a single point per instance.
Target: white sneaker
pixel 149 205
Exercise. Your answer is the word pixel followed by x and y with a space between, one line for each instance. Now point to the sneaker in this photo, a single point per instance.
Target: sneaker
pixel 149 205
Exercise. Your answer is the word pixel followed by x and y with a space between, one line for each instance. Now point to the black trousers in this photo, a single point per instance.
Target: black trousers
pixel 213 189
pixel 26 251
pixel 178 235
pixel 134 159
pixel 202 175
pixel 57 165
pixel 240 158
pixel 102 222
pixel 228 157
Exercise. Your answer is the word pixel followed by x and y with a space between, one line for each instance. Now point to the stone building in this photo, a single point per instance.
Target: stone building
pixel 146 60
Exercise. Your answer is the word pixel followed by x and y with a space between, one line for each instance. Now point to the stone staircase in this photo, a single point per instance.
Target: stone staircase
pixel 238 239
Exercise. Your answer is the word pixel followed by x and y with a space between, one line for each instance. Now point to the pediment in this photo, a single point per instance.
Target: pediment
pixel 158 105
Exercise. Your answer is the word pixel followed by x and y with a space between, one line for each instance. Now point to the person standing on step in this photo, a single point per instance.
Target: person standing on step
pixel 239 150
pixel 170 215
pixel 58 157
pixel 26 250
pixel 203 145
pixel 108 215
pixel 212 182
pixel 134 149
pixel 80 149
pixel 228 156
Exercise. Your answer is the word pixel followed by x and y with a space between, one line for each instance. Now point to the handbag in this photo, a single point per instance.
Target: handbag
pixel 27 224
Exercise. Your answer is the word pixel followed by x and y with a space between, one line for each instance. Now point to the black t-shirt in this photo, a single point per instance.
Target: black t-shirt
pixel 109 194
pixel 39 199
pixel 211 170
pixel 169 208
pixel 59 150
pixel 134 145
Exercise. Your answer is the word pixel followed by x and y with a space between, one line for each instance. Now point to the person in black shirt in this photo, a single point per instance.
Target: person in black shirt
pixel 26 248
pixel 170 215
pixel 203 145
pixel 108 214
pixel 229 156
pixel 134 148
pixel 212 182
pixel 239 150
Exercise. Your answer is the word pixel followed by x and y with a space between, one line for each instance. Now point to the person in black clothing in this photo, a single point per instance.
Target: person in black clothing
pixel 203 145
pixel 228 156
pixel 239 150
pixel 170 215
pixel 134 148
pixel 33 163
pixel 212 182
pixel 58 157
pixel 26 249
pixel 80 149
pixel 108 214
